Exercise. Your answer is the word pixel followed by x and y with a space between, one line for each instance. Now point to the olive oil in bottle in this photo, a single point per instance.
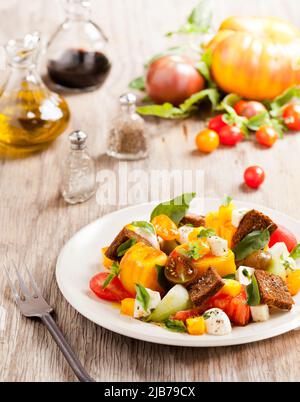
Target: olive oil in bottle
pixel 31 117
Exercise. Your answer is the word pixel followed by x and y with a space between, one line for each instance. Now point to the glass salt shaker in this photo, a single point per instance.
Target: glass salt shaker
pixel 128 139
pixel 79 181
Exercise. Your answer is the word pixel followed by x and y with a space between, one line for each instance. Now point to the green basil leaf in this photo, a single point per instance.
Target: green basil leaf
pixel 142 296
pixel 253 295
pixel 199 21
pixel 161 279
pixel 252 242
pixel 262 119
pixel 148 227
pixel 175 209
pixel 122 250
pixel 138 83
pixel 115 271
pixel 295 254
pixel 175 326
pixel 205 233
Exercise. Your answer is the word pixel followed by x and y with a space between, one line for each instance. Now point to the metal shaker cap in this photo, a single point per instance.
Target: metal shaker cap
pixel 128 99
pixel 78 140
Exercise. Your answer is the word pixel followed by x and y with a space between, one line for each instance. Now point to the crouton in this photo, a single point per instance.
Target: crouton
pixel 252 221
pixel 205 287
pixel 123 236
pixel 273 290
pixel 195 220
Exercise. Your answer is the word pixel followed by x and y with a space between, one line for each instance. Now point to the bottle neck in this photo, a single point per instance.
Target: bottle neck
pixel 23 77
pixel 78 10
pixel 128 109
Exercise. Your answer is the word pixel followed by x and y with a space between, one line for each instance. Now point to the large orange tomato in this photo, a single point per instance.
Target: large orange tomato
pixel 255 57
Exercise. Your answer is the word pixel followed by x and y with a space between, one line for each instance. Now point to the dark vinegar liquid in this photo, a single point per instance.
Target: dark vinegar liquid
pixel 79 69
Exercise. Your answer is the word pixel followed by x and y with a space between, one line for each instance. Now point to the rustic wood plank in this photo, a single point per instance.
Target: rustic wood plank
pixel 35 222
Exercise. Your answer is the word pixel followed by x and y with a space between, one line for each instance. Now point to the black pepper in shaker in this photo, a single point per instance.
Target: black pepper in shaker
pixel 127 138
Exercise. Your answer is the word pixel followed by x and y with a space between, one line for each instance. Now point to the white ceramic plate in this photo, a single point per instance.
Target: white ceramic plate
pixel 81 259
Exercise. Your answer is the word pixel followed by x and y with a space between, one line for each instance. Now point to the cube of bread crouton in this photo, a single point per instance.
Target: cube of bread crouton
pixel 205 287
pixel 273 290
pixel 195 220
pixel 252 221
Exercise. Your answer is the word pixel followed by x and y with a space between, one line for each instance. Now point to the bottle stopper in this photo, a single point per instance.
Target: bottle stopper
pixel 78 140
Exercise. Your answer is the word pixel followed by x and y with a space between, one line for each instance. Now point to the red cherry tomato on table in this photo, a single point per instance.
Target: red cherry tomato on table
pixel 283 235
pixel 249 108
pixel 291 116
pixel 173 79
pixel 267 136
pixel 254 176
pixel 114 292
pixel 230 136
pixel 217 123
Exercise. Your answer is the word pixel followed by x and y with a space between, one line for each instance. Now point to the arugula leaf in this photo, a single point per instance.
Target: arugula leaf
pixel 175 326
pixel 142 296
pixel 138 83
pixel 175 209
pixel 199 21
pixel 115 271
pixel 144 225
pixel 168 111
pixel 123 248
pixel 161 279
pixel 204 67
pixel 254 241
pixel 227 200
pixel 205 233
pixel 229 100
pixel 253 295
pixel 295 254
pixel 278 103
pixel 232 118
pixel 262 119
pixel 230 276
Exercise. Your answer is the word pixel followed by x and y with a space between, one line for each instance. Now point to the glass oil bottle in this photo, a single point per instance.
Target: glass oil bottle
pixel 31 116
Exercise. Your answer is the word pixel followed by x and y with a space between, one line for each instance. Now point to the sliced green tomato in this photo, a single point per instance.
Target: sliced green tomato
pixel 177 299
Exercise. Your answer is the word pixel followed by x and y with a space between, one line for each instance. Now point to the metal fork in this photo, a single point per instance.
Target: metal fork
pixel 33 305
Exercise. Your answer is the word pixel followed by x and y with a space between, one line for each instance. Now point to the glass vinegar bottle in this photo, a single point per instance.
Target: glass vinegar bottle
pixel 77 53
pixel 31 116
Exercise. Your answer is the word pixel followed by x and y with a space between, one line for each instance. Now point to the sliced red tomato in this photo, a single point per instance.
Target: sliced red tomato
pixel 235 307
pixel 283 235
pixel 114 292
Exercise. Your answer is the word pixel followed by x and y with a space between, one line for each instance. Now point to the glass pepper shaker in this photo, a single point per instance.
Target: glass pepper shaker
pixel 77 53
pixel 127 138
pixel 79 179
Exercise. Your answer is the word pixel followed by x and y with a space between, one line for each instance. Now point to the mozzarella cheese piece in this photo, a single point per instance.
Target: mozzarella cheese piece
pixel 238 215
pixel 244 275
pixel 152 238
pixel 217 322
pixel 218 246
pixel 260 313
pixel 184 233
pixel 281 253
pixel 140 312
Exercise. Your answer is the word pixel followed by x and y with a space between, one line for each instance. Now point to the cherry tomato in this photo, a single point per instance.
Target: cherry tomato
pixel 114 292
pixel 283 235
pixel 173 79
pixel 291 115
pixel 267 136
pixel 217 123
pixel 254 176
pixel 180 270
pixel 230 136
pixel 249 108
pixel 165 228
pixel 207 141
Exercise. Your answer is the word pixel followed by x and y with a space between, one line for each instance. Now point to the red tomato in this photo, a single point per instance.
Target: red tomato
pixel 283 235
pixel 291 115
pixel 254 176
pixel 114 292
pixel 173 79
pixel 249 109
pixel 217 123
pixel 230 136
pixel 267 136
pixel 235 307
pixel 185 315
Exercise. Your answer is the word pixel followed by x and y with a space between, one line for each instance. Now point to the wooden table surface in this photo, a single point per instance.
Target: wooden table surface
pixel 35 222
